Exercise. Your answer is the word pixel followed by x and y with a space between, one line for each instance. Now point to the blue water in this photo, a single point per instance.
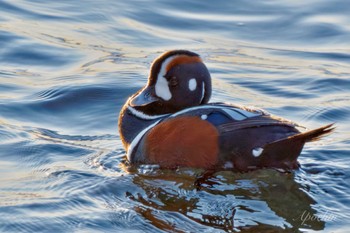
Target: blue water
pixel 67 67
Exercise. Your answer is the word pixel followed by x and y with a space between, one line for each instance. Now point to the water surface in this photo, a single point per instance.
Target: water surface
pixel 66 69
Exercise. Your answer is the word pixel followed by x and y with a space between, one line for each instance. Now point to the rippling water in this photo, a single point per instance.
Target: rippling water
pixel 67 67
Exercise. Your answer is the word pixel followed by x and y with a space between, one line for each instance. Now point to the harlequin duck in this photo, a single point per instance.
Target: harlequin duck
pixel 170 123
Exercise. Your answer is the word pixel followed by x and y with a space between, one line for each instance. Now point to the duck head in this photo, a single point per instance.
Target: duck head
pixel 178 79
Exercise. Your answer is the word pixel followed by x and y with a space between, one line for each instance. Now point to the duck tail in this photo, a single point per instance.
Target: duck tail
pixel 315 134
pixel 284 152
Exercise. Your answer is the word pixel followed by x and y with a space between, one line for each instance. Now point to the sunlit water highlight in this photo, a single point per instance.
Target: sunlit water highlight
pixel 67 67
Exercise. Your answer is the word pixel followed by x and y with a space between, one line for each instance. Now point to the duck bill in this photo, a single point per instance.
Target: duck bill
pixel 144 97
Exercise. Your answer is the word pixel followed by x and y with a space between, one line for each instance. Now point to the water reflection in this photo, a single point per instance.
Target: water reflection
pixel 252 202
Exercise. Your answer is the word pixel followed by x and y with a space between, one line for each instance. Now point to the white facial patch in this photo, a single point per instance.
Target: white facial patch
pixel 161 87
pixel 192 84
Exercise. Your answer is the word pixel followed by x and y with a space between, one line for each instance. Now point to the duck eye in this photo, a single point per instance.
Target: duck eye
pixel 172 81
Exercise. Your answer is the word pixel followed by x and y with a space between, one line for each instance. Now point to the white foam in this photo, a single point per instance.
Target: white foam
pixel 204 117
pixel 192 84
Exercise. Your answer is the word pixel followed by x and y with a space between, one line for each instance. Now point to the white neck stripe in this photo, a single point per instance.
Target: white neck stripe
pixel 143 115
pixel 246 113
pixel 240 109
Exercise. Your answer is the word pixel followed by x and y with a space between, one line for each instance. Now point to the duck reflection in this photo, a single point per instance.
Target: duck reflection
pixel 257 201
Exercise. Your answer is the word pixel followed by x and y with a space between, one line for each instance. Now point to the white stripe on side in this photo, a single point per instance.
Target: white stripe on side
pixel 247 113
pixel 233 113
pixel 137 139
pixel 241 112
